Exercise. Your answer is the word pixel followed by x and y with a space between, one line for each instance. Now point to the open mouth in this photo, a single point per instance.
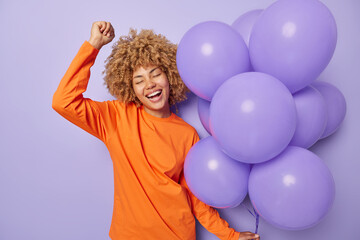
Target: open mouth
pixel 154 95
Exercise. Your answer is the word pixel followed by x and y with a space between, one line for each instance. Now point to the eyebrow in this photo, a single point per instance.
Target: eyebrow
pixel 139 76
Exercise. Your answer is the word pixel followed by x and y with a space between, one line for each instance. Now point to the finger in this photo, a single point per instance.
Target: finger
pixel 96 26
pixel 112 31
pixel 250 235
pixel 256 237
pixel 107 29
pixel 102 26
pixel 104 29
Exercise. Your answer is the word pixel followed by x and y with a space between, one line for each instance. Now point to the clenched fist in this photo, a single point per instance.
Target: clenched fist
pixel 101 34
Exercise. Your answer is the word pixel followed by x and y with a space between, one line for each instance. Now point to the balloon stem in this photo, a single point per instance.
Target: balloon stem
pixel 255 215
pixel 257 220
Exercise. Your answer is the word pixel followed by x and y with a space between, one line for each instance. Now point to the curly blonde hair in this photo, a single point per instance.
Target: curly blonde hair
pixel 143 49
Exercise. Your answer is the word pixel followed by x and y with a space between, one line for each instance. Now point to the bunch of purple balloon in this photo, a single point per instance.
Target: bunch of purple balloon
pixel 259 100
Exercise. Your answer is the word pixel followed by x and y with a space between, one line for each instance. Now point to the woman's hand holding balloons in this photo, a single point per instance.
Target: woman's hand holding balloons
pixel 101 34
pixel 248 236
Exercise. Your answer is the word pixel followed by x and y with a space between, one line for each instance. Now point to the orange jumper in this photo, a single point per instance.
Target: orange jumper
pixel 151 198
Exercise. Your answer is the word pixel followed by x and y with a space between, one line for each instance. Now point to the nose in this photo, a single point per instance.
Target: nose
pixel 150 84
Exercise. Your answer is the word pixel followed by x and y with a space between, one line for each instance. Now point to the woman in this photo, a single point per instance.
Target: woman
pixel 147 142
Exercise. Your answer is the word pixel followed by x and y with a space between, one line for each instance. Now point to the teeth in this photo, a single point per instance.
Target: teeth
pixel 154 93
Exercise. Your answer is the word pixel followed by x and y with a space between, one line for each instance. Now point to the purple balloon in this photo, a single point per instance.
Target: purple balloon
pixel 335 106
pixel 213 177
pixel 293 191
pixel 208 54
pixel 204 112
pixel 243 24
pixel 311 117
pixel 252 117
pixel 293 41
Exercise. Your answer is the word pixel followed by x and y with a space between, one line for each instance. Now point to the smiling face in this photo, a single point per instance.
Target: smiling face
pixel 151 87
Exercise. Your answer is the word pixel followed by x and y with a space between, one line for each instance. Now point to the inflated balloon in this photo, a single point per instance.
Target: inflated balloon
pixel 213 177
pixel 252 117
pixel 293 191
pixel 335 106
pixel 293 41
pixel 245 22
pixel 311 117
pixel 204 112
pixel 208 54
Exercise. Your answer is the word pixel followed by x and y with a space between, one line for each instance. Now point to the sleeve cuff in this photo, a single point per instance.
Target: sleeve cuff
pixel 87 45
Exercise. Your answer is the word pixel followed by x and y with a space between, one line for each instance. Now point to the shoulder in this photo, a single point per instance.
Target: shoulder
pixel 186 129
pixel 184 125
pixel 116 108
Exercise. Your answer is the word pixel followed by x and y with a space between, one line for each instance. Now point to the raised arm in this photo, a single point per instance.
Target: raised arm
pixel 92 116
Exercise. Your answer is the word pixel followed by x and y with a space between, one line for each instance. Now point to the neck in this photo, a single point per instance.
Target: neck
pixel 163 113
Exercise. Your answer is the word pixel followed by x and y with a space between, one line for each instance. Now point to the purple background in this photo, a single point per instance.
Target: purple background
pixel 56 180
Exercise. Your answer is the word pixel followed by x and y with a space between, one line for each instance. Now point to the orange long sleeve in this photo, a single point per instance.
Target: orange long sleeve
pixel 151 198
